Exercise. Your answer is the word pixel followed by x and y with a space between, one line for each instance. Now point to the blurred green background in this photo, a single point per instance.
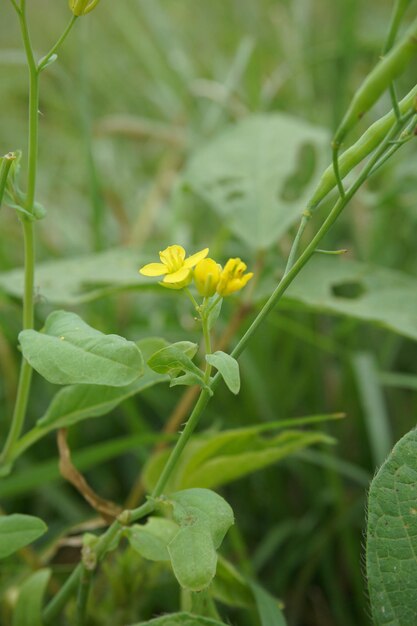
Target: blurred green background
pixel 138 89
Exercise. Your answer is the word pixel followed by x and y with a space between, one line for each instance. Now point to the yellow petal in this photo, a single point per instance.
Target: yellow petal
pixel 154 269
pixel 177 277
pixel 173 257
pixel 195 258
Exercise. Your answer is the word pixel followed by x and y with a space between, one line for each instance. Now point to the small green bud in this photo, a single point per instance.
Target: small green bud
pixel 81 7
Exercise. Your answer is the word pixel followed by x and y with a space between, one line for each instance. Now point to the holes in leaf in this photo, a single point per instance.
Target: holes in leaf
pixel 296 183
pixel 351 290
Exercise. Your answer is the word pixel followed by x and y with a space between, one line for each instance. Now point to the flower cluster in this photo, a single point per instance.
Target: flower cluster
pixel 210 277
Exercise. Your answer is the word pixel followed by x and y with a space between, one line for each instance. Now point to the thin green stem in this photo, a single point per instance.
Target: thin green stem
pixel 44 61
pixel 397 145
pixel 193 300
pixel 15 6
pixel 396 17
pixel 335 158
pixel 84 585
pixel 25 376
pixel 295 245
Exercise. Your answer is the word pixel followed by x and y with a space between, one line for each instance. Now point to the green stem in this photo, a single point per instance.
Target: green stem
pixel 25 376
pixel 295 245
pixel 335 157
pixel 397 15
pixel 84 584
pixel 44 61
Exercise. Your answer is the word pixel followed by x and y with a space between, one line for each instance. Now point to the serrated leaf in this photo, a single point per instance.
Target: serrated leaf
pixel 18 531
pixel 151 539
pixel 28 610
pixel 228 368
pixel 269 166
pixel 70 351
pixel 193 556
pixel 181 619
pixel 391 545
pixel 78 402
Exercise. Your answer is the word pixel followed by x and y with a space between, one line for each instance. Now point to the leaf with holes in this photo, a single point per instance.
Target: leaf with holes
pixel 269 166
pixel 365 292
pixel 391 545
pixel 69 351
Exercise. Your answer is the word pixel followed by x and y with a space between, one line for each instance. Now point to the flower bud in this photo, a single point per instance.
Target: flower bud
pixel 81 7
pixel 206 277
pixel 233 277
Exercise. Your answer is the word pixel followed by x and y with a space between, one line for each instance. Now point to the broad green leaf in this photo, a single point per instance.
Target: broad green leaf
pixel 193 556
pixel 203 506
pixel 76 280
pixel 181 619
pixel 268 607
pixel 28 610
pixel 78 402
pixel 151 539
pixel 369 293
pixel 269 166
pixel 190 379
pixel 70 351
pixel 18 531
pixel 228 368
pixel 391 545
pixel 216 459
pixel 175 358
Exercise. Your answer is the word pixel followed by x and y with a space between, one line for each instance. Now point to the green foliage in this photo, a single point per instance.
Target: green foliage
pixel 359 290
pixel 70 351
pixel 217 459
pixel 268 168
pixel 151 539
pixel 176 358
pixel 18 531
pixel 28 611
pixel 268 607
pixel 181 619
pixel 391 543
pixel 79 402
pixel 228 368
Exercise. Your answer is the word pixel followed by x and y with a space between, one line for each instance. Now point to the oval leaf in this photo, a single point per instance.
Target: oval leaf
pixel 193 557
pixel 79 402
pixel 17 531
pixel 69 351
pixel 228 368
pixel 391 545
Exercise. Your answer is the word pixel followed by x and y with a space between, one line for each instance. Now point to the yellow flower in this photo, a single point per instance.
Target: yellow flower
pixel 174 267
pixel 81 7
pixel 206 277
pixel 233 277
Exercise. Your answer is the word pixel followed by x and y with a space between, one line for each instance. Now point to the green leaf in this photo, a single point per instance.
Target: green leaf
pixel 229 587
pixel 391 545
pixel 79 402
pixel 203 506
pixel 228 368
pixel 175 358
pixel 268 607
pixel 151 539
pixel 28 611
pixel 68 282
pixel 212 460
pixel 193 556
pixel 181 619
pixel 18 531
pixel 365 292
pixel 70 351
pixel 203 518
pixel 269 166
